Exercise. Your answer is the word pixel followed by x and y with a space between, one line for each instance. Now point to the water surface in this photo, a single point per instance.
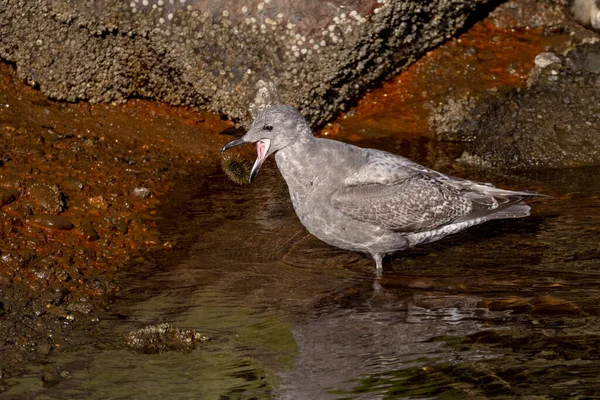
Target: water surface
pixel 508 308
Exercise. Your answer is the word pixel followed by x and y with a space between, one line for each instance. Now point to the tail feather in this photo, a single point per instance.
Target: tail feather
pixel 518 210
pixel 511 206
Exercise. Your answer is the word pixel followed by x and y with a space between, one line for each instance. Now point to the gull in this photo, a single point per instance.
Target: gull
pixel 368 200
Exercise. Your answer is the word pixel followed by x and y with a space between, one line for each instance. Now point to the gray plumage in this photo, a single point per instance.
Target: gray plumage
pixel 369 200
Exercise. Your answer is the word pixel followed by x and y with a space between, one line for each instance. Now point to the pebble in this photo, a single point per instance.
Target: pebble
pixel 119 224
pixel 542 60
pixel 44 349
pixel 592 63
pixel 51 221
pixel 89 232
pixel 6 196
pixel 51 375
pixel 72 184
pixel 141 192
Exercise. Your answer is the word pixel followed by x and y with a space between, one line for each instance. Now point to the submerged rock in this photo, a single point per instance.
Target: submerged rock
pixel 46 198
pixel 6 196
pixel 553 123
pixel 320 55
pixel 141 192
pixel 163 337
pixel 99 202
pixel 88 232
pixel 72 184
pixel 51 221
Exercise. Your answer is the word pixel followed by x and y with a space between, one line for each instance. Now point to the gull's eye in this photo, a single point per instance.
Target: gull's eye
pixel 268 128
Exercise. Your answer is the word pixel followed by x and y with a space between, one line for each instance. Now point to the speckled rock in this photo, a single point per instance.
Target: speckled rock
pixel 46 198
pixel 212 54
pixel 525 14
pixel 51 221
pixel 141 192
pixel 163 337
pixel 99 202
pixel 553 123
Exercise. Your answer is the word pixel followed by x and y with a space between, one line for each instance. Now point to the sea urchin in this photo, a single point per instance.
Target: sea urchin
pixel 236 168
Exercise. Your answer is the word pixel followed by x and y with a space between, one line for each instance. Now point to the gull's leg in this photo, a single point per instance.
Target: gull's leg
pixel 378 263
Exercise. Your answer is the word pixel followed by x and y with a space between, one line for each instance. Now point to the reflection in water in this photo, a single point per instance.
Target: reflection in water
pixel 509 308
pixel 343 348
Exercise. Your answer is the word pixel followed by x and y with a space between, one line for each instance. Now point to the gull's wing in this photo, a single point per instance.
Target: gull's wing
pixel 400 195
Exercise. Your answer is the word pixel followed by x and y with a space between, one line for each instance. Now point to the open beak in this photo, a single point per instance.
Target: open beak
pixel 262 149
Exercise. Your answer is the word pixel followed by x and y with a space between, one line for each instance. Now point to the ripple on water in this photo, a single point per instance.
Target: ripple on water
pixel 509 308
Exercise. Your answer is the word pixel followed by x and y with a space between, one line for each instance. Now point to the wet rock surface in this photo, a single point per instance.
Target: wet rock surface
pixel 526 14
pixel 70 215
pixel 552 123
pixel 126 172
pixel 320 55
pixel 50 221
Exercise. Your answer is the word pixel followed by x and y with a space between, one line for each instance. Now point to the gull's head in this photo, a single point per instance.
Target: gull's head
pixel 273 129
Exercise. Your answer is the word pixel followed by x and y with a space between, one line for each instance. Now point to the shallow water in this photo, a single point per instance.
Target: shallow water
pixel 507 308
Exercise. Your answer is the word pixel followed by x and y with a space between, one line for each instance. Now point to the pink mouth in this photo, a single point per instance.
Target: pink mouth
pixel 262 146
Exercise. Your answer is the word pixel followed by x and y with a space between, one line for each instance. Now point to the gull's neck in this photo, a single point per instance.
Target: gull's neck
pixel 304 142
pixel 298 156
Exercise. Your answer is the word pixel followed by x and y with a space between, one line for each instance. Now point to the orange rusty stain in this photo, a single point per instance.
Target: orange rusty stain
pixel 482 58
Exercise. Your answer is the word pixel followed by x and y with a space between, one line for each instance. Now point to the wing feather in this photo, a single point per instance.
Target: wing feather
pixel 414 205
pixel 403 196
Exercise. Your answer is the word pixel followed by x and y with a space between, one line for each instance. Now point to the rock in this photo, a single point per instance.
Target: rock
pixel 120 225
pixel 553 123
pixel 525 14
pixel 6 196
pixel 158 338
pixel 51 375
pixel 320 55
pixel 88 231
pixel 141 192
pixel 51 221
pixel 592 63
pixel 82 305
pixel 72 184
pixel 587 13
pixel 542 60
pixel 99 202
pixel 46 198
pixel 117 224
pixel 44 349
pixel 13 181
